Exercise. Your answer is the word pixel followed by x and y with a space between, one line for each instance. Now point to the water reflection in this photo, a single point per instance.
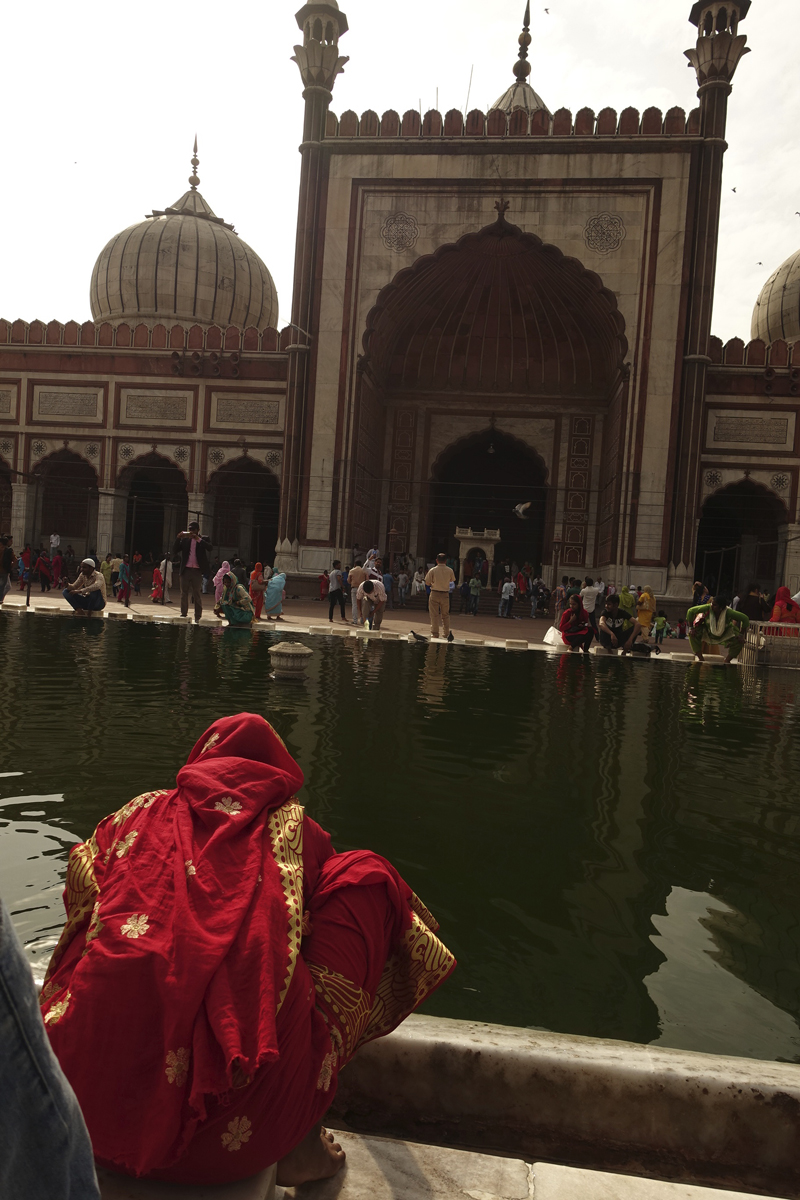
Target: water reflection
pixel 604 842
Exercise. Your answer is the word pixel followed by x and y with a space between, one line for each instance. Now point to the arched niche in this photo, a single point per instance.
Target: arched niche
pixel 741 538
pixel 159 487
pixel 67 499
pixel 246 508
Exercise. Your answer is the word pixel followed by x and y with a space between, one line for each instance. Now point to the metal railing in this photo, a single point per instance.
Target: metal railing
pixel 771 644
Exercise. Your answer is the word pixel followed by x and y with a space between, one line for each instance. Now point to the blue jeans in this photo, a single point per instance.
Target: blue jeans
pixel 46 1152
pixel 93 602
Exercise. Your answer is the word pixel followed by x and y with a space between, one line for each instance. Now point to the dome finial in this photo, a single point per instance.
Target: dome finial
pixel 193 179
pixel 522 68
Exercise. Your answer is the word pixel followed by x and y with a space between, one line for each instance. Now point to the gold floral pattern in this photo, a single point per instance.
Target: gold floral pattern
pixel 191 869
pixel 286 834
pixel 124 844
pixel 57 1010
pixel 345 1007
pixel 228 805
pixel 239 1132
pixel 81 892
pixel 136 926
pixel 177 1066
pixel 326 1071
pixel 420 963
pixel 146 800
pixel 96 926
pixel 211 742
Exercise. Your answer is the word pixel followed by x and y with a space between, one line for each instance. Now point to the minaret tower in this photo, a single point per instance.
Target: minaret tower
pixel 319 62
pixel 715 58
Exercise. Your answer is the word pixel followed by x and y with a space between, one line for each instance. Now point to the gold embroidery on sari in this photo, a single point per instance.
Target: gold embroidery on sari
pixel 345 1007
pixel 286 834
pixel 228 805
pixel 211 742
pixel 136 926
pixel 124 844
pixel 96 926
pixel 57 1010
pixel 419 964
pixel 82 891
pixel 146 800
pixel 191 869
pixel 326 1072
pixel 239 1132
pixel 177 1066
pixel 49 990
pixel 424 914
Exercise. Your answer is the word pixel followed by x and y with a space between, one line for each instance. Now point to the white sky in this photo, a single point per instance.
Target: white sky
pixel 102 102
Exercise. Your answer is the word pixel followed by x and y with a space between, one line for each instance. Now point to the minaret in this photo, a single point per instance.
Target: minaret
pixel 319 62
pixel 715 57
pixel 521 94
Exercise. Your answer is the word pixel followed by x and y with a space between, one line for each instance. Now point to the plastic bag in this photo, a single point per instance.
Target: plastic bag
pixel 553 637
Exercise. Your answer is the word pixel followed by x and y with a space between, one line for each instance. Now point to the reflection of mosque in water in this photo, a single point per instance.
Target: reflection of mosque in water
pixel 457 347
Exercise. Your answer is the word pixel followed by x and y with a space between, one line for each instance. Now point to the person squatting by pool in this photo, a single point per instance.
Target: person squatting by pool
pixel 88 593
pixel 221 963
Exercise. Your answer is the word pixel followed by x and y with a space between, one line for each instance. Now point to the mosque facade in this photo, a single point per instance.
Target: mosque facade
pixel 490 310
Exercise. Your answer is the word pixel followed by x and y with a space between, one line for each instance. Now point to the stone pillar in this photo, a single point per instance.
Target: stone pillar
pixel 319 63
pixel 201 508
pixel 21 514
pixel 791 563
pixel 111 517
pixel 748 561
pixel 715 59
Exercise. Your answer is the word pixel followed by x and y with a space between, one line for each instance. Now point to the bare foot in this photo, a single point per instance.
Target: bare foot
pixel 317 1157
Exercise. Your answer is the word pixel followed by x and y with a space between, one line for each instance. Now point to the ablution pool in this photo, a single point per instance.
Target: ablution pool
pixel 612 847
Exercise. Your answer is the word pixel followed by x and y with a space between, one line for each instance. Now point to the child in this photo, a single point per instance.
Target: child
pixel 681 628
pixel 661 626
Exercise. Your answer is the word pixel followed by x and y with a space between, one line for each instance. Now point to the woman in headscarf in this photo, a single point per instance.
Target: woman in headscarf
pixel 753 604
pixel 124 582
pixel 257 589
pixel 576 632
pixel 645 610
pixel 787 612
pixel 219 584
pixel 157 590
pixel 627 600
pixel 221 963
pixel 700 594
pixel 236 605
pixel 274 595
pixel 57 564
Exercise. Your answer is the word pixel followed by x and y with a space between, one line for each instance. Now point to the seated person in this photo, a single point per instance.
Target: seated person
pixel 221 963
pixel 88 593
pixel 574 626
pixel 616 628
pixel 716 624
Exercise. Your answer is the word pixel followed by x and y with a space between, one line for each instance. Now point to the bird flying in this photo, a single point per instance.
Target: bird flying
pixel 521 510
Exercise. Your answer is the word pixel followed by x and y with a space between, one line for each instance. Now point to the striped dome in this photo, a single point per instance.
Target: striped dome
pixel 777 311
pixel 183 264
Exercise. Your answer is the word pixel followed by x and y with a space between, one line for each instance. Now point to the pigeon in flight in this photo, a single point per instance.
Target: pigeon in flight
pixel 733 189
pixel 521 510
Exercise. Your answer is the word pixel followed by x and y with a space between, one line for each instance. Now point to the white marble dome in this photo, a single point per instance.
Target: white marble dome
pixel 777 311
pixel 183 265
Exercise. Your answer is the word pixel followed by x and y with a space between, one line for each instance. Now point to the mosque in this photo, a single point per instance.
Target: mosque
pixel 490 310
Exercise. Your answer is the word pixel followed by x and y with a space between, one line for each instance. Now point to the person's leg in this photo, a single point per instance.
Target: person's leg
pixel 72 599
pixel 197 592
pixel 377 615
pixel 185 587
pixel 733 647
pixel 445 611
pixel 342 611
pixel 433 611
pixel 696 644
pixel 331 604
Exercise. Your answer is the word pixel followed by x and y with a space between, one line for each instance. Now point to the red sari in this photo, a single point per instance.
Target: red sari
pixel 787 612
pixel 221 963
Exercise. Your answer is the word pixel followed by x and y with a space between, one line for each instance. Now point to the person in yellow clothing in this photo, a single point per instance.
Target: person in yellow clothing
pixel 438 580
pixel 646 608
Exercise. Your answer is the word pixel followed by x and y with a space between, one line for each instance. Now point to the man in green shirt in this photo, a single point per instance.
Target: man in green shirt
pixel 716 624
pixel 475 589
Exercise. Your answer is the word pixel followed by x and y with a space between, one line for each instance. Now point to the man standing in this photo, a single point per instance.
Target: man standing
pixel 402 587
pixel 166 577
pixel 388 587
pixel 475 589
pixel 336 590
pixel 438 580
pixel 55 542
pixel 193 550
pixel 88 593
pixel 355 577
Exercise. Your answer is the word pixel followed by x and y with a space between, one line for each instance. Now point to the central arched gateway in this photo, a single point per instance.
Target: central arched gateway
pixel 495 361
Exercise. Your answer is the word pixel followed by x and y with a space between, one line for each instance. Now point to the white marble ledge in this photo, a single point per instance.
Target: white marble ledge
pixel 552 1182
pixel 383 1169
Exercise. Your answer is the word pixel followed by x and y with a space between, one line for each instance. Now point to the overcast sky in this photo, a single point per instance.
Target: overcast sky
pixel 102 101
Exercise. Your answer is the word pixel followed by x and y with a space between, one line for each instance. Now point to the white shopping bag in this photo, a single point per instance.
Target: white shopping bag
pixel 553 637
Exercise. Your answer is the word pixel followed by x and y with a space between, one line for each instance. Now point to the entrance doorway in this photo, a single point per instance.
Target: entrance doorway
pixel 741 539
pixel 246 510
pixel 478 482
pixel 68 500
pixel 161 504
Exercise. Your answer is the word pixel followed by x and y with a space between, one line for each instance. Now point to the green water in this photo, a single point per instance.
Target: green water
pixel 612 847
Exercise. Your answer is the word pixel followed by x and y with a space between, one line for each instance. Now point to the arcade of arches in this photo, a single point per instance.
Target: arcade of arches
pixel 741 538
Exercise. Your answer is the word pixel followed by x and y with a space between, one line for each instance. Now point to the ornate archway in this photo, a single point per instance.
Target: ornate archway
pixel 479 481
pixel 67 500
pixel 5 497
pixel 161 503
pixel 246 507
pixel 741 538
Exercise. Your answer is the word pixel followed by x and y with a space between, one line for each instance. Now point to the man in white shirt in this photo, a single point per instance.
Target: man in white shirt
pixel 506 599
pixel 55 542
pixel 402 588
pixel 439 579
pixel 336 590
pixel 87 594
pixel 371 597
pixel 589 593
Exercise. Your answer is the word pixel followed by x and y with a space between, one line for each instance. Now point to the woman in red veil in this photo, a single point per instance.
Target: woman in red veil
pixel 221 963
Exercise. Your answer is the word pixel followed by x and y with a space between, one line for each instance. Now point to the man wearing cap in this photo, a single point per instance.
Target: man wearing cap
pixel 88 593
pixel 193 550
pixel 439 579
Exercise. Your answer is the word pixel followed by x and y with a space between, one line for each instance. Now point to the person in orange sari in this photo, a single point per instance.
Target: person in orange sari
pixel 157 590
pixel 221 963
pixel 257 589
